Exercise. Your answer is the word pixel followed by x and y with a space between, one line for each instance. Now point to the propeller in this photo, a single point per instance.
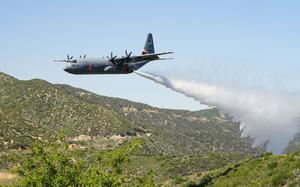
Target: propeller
pixel 119 63
pixel 69 58
pixel 82 56
pixel 127 57
pixel 111 58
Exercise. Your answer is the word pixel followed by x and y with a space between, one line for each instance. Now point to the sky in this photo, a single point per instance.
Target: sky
pixel 209 38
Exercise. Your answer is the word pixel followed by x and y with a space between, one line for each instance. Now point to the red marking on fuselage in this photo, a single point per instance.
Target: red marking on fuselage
pixel 126 68
pixel 90 66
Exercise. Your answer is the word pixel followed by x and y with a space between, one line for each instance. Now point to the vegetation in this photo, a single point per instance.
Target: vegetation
pixel 115 142
pixel 36 109
pixel 57 165
pixel 267 170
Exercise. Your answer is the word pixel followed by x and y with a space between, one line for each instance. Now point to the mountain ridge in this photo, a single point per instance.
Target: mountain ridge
pixel 181 146
pixel 35 102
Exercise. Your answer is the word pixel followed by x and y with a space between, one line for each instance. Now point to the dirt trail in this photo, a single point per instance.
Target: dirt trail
pixel 6 176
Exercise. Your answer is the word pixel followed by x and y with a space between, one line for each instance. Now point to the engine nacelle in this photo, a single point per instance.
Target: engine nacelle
pixel 108 68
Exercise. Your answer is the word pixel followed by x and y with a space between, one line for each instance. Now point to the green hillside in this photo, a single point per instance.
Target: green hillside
pixel 179 147
pixel 267 170
pixel 174 131
pixel 36 109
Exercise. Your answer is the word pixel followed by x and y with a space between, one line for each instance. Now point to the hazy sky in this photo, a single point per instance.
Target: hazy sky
pixel 257 36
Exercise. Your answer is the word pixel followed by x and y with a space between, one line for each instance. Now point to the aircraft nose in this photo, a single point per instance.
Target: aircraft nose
pixel 67 69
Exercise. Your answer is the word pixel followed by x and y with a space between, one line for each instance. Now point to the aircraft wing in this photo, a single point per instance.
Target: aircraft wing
pixel 153 56
pixel 132 59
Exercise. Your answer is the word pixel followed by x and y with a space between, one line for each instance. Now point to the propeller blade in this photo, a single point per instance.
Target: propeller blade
pixel 111 58
pixel 71 57
pixel 68 57
pixel 128 55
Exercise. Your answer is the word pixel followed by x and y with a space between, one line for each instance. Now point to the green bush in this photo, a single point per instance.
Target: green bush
pixel 57 165
pixel 272 165
pixel 280 179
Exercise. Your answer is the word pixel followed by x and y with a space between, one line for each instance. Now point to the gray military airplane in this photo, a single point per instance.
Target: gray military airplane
pixel 113 64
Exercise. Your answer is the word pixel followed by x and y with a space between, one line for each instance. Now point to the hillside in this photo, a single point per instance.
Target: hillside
pixel 174 131
pixel 267 170
pixel 176 142
pixel 36 109
pixel 181 147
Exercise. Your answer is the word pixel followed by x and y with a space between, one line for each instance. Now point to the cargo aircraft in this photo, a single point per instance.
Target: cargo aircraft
pixel 113 64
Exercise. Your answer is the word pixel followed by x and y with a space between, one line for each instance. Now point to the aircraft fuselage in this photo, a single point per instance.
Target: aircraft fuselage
pixel 100 66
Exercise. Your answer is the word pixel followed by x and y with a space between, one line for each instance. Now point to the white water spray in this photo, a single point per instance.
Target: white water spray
pixel 264 116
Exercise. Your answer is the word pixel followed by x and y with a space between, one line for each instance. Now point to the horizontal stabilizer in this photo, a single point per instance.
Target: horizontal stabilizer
pixel 165 59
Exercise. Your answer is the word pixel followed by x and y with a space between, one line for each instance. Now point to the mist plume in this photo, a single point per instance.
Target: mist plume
pixel 265 116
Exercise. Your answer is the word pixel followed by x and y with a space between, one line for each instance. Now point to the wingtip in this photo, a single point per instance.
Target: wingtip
pixel 59 61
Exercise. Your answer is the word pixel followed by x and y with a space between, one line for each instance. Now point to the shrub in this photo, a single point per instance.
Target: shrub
pixel 57 165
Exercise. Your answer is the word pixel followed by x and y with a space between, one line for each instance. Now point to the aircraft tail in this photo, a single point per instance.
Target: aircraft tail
pixel 149 45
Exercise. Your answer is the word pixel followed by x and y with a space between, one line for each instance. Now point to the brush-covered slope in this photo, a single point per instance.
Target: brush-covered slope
pixel 36 109
pixel 174 131
pixel 267 170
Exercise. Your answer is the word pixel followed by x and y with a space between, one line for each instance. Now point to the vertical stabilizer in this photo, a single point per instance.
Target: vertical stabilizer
pixel 149 45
